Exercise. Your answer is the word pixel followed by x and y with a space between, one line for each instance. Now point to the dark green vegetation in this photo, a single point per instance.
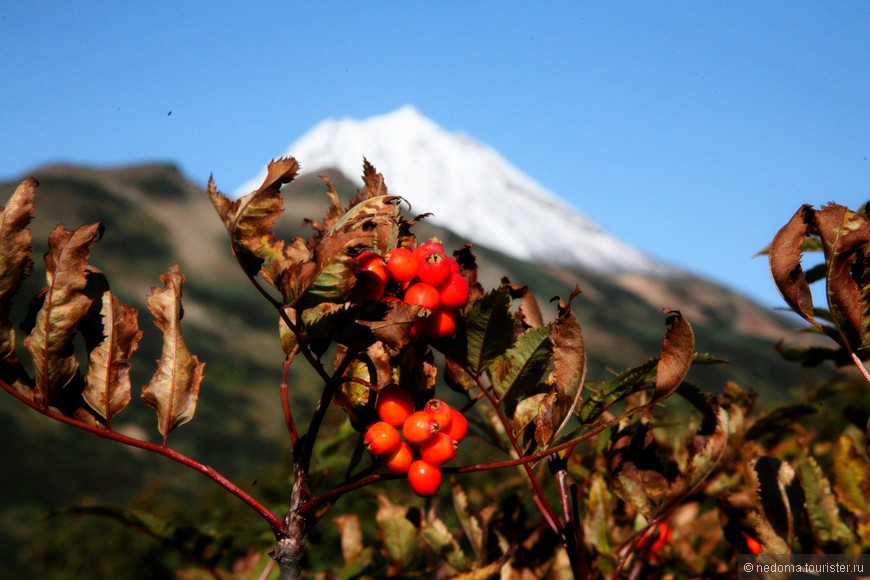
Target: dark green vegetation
pixel 47 466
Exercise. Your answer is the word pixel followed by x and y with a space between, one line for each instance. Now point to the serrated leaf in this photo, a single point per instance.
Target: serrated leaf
pixel 822 509
pixel 489 330
pixel 470 524
pixel 523 364
pixel 64 305
pixel 845 236
pixel 397 534
pixel 569 365
pixel 174 389
pixel 678 346
pixel 852 478
pixel 597 524
pixel 620 386
pixel 249 219
pixel 785 263
pixel 641 479
pixel 329 274
pixel 112 340
pixel 435 534
pixel 781 500
pixel 15 261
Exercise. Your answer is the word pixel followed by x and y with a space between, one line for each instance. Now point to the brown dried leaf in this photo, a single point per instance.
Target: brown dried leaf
pixel 336 210
pixel 642 479
pixel 15 262
pixel 114 339
pixel 395 327
pixel 844 236
pixel 529 313
pixel 174 389
pixel 351 536
pixel 250 219
pixel 569 364
pixel 785 263
pixel 329 275
pixel 374 184
pixel 65 304
pixel 678 347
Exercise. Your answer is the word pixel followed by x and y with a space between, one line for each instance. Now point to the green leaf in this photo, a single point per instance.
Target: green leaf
pixel 852 480
pixel 489 330
pixel 824 513
pixel 622 385
pixel 523 364
pixel 398 535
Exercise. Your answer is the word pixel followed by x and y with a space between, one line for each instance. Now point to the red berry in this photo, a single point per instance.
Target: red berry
pixel 371 279
pixel 427 248
pixel 453 293
pixel 381 438
pixel 438 324
pixel 440 411
pixel 402 264
pixel 424 478
pixel 422 294
pixel 419 427
pixel 399 461
pixel 753 545
pixel 438 450
pixel 434 269
pixel 458 426
pixel 393 405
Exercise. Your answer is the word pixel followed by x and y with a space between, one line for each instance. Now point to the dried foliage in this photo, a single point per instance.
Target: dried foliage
pixel 595 479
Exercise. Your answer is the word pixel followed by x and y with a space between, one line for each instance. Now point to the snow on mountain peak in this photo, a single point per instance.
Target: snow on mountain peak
pixel 467 186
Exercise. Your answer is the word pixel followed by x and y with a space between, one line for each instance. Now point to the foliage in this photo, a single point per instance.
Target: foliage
pixel 642 474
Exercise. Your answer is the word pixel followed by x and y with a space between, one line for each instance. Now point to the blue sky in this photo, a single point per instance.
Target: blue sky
pixel 693 130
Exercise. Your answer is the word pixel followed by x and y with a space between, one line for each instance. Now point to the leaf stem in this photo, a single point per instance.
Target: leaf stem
pixel 540 498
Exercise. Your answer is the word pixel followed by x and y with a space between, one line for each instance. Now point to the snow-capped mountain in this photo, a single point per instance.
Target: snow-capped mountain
pixel 468 187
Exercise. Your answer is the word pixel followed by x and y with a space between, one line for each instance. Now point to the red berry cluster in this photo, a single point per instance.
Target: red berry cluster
pixel 431 437
pixel 425 277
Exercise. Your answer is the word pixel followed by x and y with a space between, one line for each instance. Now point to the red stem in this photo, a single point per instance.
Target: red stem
pixel 540 498
pixel 274 521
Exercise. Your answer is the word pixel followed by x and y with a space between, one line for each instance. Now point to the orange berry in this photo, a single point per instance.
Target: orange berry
pixel 419 427
pixel 457 427
pixel 394 404
pixel 425 479
pixel 381 438
pixel 399 461
pixel 438 450
pixel 440 411
pixel 402 264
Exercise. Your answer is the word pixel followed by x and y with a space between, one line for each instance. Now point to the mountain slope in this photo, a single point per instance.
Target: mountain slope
pixel 468 187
